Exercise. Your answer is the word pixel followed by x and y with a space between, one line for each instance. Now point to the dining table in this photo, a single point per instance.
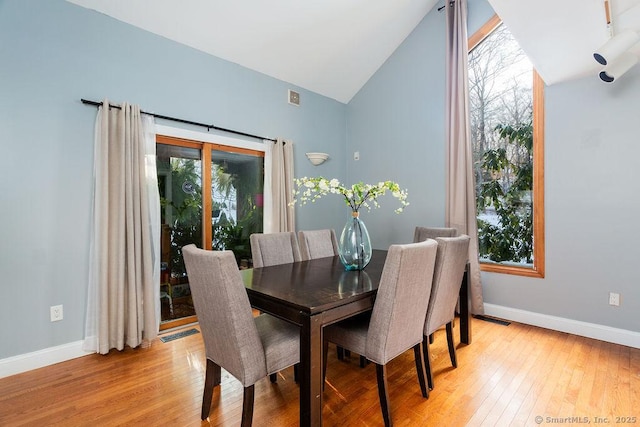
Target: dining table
pixel 315 293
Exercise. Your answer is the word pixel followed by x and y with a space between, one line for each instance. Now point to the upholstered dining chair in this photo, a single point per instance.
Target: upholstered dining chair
pixel 424 233
pixel 317 243
pixel 247 347
pixel 396 322
pixel 274 248
pixel 451 260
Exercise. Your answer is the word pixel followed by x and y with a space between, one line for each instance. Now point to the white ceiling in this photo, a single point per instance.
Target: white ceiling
pixel 332 47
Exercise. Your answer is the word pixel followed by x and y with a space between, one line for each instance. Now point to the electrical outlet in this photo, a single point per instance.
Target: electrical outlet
pixel 56 313
pixel 614 299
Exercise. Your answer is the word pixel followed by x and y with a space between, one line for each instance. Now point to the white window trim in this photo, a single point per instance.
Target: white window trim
pixel 206 137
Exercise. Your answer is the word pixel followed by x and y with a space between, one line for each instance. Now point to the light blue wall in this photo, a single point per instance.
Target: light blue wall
pixel 592 182
pixel 52 54
pixel 592 201
pixel 396 122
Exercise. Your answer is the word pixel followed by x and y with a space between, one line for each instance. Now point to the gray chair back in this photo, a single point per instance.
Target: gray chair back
pixel 228 329
pixel 274 248
pixel 451 259
pixel 424 233
pixel 401 302
pixel 317 243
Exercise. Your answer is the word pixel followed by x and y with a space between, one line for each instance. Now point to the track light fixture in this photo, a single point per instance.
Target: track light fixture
pixel 617 54
pixel 618 67
pixel 616 46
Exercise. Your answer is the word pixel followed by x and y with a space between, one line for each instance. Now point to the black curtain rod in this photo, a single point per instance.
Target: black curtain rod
pixel 189 122
pixel 445 5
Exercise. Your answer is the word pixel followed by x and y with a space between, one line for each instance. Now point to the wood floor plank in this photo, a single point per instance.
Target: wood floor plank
pixel 517 366
pixel 612 382
pixel 506 377
pixel 623 395
pixel 521 397
pixel 583 401
pixel 511 395
pixel 496 363
pixel 540 379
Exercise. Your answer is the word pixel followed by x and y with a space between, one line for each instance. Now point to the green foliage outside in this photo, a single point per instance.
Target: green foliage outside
pixel 245 182
pixel 507 188
pixel 185 213
pixel 501 113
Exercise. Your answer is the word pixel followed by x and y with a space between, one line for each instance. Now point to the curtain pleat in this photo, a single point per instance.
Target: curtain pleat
pixel 460 211
pixel 123 297
pixel 282 216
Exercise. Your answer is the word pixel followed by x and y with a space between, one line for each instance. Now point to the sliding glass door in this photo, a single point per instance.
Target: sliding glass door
pixel 180 186
pixel 236 193
pixel 210 195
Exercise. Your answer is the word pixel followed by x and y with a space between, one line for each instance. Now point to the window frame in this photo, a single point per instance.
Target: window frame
pixel 538 268
pixel 206 147
pixel 205 143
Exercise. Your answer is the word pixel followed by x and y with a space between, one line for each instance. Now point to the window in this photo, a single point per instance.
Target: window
pixel 507 129
pixel 211 195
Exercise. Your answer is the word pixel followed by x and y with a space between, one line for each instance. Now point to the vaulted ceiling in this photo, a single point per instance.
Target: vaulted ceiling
pixel 332 47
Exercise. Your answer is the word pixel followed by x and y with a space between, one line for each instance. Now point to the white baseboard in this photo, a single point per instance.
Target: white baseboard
pixel 576 327
pixel 38 359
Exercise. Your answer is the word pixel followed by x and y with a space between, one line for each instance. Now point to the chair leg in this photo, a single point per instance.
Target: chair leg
pixel 340 353
pixel 381 373
pixel 417 354
pixel 427 361
pixel 431 338
pixel 363 361
pixel 452 347
pixel 212 378
pixel 247 406
pixel 325 353
pixel 273 378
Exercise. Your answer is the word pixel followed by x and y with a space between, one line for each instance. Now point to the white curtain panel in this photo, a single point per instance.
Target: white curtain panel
pixel 278 215
pixel 124 273
pixel 460 211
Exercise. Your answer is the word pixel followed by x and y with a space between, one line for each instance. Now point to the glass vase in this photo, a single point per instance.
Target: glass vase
pixel 354 246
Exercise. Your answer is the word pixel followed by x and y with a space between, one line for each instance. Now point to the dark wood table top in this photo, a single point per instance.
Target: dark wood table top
pixel 314 286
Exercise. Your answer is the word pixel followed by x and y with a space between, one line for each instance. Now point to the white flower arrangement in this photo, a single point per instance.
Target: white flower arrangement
pixel 356 196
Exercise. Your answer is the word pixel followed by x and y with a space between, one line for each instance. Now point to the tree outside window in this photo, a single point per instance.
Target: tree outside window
pixel 502 109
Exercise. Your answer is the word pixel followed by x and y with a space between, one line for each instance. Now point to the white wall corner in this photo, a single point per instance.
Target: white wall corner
pixel 576 327
pixel 38 359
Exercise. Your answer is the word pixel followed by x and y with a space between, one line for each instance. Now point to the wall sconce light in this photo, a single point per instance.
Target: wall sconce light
pixel 616 56
pixel 317 158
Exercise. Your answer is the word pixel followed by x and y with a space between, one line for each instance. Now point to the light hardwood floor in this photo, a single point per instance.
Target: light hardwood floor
pixel 509 375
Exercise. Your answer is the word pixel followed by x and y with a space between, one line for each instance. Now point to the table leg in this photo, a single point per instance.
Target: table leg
pixel 311 372
pixel 465 315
